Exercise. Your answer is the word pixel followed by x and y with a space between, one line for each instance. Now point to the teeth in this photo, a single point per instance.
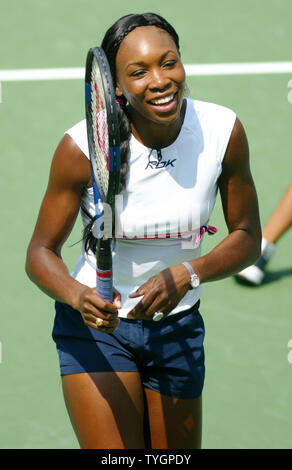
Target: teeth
pixel 167 99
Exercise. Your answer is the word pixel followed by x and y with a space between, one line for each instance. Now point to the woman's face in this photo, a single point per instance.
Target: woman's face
pixel 150 74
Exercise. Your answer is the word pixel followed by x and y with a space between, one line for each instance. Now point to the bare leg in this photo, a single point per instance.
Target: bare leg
pixel 106 409
pixel 281 218
pixel 174 423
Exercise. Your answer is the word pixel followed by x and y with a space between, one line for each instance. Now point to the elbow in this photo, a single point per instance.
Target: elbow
pixel 27 266
pixel 250 247
pixel 30 262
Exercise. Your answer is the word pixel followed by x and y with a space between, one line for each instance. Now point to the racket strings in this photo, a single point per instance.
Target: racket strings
pixel 100 129
pixel 100 124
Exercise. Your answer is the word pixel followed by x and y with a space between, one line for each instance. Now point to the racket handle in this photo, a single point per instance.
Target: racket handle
pixel 104 284
pixel 104 275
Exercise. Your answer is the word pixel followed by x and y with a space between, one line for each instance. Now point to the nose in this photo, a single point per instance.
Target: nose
pixel 159 81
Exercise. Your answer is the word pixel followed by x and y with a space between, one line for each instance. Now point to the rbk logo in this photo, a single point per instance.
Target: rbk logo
pixel 155 165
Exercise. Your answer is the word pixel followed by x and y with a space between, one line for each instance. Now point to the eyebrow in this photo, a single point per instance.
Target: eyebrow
pixel 143 63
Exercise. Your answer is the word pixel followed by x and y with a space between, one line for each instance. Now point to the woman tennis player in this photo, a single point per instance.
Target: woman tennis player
pixel 129 381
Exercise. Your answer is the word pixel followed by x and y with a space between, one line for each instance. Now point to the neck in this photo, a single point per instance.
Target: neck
pixel 157 135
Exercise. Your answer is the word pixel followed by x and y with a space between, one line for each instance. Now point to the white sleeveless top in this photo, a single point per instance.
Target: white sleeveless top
pixel 169 197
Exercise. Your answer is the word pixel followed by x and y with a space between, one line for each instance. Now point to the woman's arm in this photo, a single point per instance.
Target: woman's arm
pixel 57 215
pixel 70 173
pixel 240 206
pixel 240 248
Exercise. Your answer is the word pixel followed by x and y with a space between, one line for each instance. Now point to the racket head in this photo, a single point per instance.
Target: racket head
pixel 104 151
pixel 102 126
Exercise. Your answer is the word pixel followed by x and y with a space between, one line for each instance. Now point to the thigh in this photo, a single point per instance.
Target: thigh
pixel 106 409
pixel 174 423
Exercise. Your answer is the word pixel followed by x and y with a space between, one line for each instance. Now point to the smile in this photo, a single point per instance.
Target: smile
pixel 165 102
pixel 166 99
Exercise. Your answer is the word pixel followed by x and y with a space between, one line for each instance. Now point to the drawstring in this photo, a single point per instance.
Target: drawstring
pixel 159 154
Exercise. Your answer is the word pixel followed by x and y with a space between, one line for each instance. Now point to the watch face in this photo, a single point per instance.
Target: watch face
pixel 195 281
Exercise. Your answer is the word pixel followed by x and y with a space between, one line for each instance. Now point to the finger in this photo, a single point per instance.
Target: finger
pixel 138 292
pixel 110 322
pixel 141 310
pixel 101 329
pixel 98 302
pixel 138 311
pixel 117 299
pixel 108 307
pixel 116 292
pixel 108 328
pixel 158 305
pixel 92 314
pixel 89 306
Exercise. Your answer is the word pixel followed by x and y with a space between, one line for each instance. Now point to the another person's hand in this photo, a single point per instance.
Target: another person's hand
pixel 161 293
pixel 99 313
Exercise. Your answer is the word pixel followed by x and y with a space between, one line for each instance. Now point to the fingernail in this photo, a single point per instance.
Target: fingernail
pixel 134 292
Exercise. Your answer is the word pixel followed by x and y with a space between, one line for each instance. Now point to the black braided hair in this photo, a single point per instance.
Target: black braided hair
pixel 110 44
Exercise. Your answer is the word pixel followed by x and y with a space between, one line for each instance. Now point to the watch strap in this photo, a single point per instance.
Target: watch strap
pixel 194 278
pixel 189 267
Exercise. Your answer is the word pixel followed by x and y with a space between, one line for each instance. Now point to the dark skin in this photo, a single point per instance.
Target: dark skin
pixel 148 67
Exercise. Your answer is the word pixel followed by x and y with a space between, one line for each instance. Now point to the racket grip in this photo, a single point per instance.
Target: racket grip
pixel 104 284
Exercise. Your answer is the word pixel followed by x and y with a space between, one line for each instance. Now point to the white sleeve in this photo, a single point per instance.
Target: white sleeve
pixel 79 135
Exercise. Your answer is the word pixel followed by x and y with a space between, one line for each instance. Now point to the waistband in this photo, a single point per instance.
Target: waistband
pixel 169 319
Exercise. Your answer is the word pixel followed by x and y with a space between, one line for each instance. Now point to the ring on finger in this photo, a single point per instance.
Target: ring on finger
pixel 158 316
pixel 99 321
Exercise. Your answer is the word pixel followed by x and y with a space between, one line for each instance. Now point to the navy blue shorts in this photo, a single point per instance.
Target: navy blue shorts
pixel 169 355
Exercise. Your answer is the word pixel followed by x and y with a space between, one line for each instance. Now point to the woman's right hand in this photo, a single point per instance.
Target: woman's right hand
pixel 93 307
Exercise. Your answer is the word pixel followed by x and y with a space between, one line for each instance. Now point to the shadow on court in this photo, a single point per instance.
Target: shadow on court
pixel 270 276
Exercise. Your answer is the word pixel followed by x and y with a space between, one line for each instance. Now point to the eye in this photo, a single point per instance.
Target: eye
pixel 169 63
pixel 138 73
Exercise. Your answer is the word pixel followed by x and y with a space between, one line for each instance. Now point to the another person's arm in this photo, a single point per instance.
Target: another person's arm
pixel 280 219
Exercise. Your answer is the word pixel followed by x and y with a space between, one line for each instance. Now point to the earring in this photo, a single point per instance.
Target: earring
pixel 121 100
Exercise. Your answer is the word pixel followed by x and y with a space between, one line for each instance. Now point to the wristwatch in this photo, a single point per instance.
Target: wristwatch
pixel 195 280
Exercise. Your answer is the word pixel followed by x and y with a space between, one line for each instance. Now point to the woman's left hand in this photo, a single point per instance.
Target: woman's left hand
pixel 161 293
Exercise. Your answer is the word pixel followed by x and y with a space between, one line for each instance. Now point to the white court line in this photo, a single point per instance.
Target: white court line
pixel 244 68
pixel 41 74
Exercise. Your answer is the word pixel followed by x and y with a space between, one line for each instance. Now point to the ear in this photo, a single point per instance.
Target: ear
pixel 119 91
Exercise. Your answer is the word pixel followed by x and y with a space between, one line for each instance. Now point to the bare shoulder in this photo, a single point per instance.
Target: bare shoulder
pixel 237 153
pixel 69 165
pixel 237 189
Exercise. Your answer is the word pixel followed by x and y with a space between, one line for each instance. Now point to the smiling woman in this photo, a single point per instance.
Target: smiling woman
pixel 130 381
pixel 152 79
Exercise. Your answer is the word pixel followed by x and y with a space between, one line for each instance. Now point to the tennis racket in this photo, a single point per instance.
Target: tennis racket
pixel 104 151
